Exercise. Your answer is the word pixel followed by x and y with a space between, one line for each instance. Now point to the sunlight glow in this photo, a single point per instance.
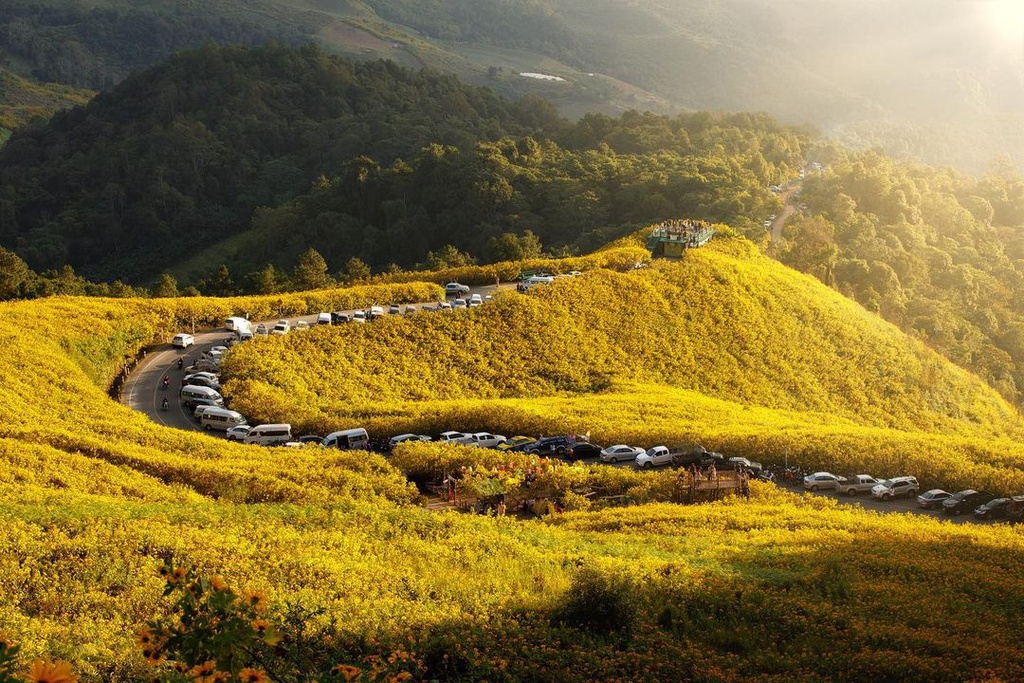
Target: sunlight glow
pixel 1006 18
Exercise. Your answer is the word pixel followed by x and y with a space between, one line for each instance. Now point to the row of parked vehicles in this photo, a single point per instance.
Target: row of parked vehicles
pixel 983 505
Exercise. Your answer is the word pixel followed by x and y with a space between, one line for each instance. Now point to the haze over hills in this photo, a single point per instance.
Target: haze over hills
pixel 942 81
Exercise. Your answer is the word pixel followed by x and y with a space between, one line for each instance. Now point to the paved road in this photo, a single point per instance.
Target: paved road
pixel 787 196
pixel 143 390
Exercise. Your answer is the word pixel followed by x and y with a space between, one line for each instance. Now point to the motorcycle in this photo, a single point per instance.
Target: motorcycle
pixel 165 405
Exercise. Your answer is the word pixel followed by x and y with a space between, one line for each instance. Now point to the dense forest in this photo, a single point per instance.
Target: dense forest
pixel 177 159
pixel 937 253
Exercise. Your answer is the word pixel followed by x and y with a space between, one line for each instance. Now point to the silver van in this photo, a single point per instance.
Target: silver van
pixel 269 435
pixel 348 440
pixel 192 396
pixel 220 419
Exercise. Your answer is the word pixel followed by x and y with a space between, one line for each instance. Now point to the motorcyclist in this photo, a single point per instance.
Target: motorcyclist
pixel 165 405
pixel 181 363
pixel 167 381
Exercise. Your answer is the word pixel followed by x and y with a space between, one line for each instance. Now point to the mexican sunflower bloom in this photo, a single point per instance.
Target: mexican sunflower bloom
pixel 348 672
pixel 252 676
pixel 218 583
pixel 256 600
pixel 51 672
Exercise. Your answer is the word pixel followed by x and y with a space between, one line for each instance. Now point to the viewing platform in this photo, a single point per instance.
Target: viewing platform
pixel 672 238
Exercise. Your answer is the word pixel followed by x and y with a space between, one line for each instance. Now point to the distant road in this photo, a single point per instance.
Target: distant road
pixel 143 390
pixel 787 196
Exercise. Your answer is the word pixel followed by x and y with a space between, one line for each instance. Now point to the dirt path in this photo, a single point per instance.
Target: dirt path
pixel 788 197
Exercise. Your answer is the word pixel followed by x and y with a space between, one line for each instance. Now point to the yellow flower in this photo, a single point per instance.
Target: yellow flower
pixel 252 676
pixel 348 672
pixel 260 626
pixel 256 599
pixel 400 678
pixel 218 583
pixel 144 637
pixel 51 672
pixel 204 669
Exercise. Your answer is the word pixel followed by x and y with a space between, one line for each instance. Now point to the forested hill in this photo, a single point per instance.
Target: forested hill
pixel 177 159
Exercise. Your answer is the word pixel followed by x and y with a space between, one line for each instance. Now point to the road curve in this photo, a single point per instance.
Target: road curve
pixel 143 389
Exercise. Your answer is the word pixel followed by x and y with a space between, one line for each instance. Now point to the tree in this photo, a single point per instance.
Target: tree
pixel 447 257
pixel 15 275
pixel 166 287
pixel 311 271
pixel 221 284
pixel 267 280
pixel 356 270
pixel 512 247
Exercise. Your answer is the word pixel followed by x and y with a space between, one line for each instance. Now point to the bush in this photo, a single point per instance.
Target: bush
pixel 599 602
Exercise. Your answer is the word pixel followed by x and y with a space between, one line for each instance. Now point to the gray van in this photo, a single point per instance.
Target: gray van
pixel 221 419
pixel 269 434
pixel 192 396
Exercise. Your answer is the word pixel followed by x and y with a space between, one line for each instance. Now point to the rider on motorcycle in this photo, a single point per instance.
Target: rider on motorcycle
pixel 167 381
pixel 165 404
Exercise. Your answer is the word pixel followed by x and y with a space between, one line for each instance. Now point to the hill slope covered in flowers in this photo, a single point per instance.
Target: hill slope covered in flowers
pixel 94 499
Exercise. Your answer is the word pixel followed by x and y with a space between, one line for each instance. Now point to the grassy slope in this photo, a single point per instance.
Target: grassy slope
pixel 93 498
pixel 22 100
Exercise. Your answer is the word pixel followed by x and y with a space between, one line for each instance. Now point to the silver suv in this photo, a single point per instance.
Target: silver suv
pixel 896 487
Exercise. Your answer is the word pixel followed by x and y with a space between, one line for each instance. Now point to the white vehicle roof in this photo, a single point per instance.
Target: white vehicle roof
pixel 323 316
pixel 274 425
pixel 204 391
pixel 355 431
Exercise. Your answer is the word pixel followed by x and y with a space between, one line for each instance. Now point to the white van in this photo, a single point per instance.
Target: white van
pixel 220 419
pixel 539 280
pixel 244 335
pixel 269 435
pixel 348 440
pixel 192 395
pixel 235 324
pixel 323 319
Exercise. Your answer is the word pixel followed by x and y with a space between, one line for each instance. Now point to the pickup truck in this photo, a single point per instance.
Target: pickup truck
pixel 481 439
pixel 659 455
pixel 861 483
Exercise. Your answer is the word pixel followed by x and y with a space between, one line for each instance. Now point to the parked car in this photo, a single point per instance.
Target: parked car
pixel 337 318
pixel 183 341
pixel 409 308
pixel 743 463
pixel 701 457
pixel 656 456
pixel 376 312
pixel 444 306
pixel 858 483
pixel 894 488
pixel 359 317
pixel 1015 511
pixel 452 437
pixel 476 300
pixel 620 452
pixel 403 438
pixel 481 439
pixel 460 303
pixel 310 438
pixel 516 443
pixel 197 413
pixel 301 325
pixel 282 327
pixel 323 319
pixel 455 289
pixel 202 379
pixel 261 330
pixel 994 509
pixel 582 449
pixel 394 309
pixel 961 502
pixel 822 480
pixel 550 445
pixel 237 433
pixel 932 498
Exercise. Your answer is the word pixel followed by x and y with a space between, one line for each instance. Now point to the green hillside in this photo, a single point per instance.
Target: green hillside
pixel 22 100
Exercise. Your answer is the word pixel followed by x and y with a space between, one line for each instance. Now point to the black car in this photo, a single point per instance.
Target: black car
pixel 700 457
pixel 582 449
pixel 338 318
pixel 548 445
pixel 310 438
pixel 994 509
pixel 965 501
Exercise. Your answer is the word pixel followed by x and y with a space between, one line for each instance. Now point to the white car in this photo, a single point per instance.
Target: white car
pixel 323 318
pixel 261 330
pixel 402 438
pixel 659 455
pixel 412 309
pixel 620 452
pixel 822 480
pixel 452 437
pixel 454 289
pixel 376 312
pixel 282 327
pixel 237 433
pixel 359 317
pixel 301 325
pixel 444 306
pixel 183 341
pixel 394 309
pixel 460 303
pixel 482 440
pixel 476 300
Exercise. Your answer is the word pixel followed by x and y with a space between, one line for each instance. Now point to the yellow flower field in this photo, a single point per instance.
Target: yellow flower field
pixel 95 499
